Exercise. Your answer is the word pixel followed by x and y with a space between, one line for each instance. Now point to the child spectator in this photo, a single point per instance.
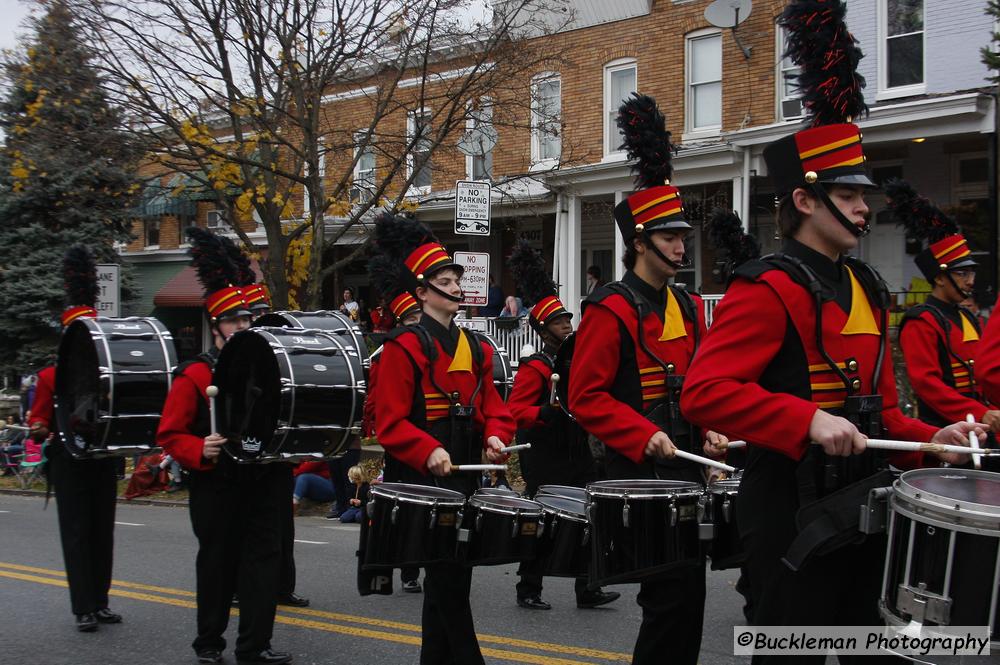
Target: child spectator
pixel 354 513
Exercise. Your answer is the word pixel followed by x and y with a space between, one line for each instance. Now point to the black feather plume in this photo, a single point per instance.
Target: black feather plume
pixel 737 247
pixel 398 235
pixel 527 267
pixel 646 140
pixel 80 277
pixel 211 260
pixel 244 272
pixel 827 54
pixel 921 219
pixel 387 276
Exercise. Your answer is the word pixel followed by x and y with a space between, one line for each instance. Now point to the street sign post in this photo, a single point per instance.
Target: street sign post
pixel 476 278
pixel 108 290
pixel 472 207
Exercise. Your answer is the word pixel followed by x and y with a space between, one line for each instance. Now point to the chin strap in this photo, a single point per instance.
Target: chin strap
pixel 965 294
pixel 446 296
pixel 648 240
pixel 821 194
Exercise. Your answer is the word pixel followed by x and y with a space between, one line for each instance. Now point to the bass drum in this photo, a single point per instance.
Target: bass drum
pixel 503 374
pixel 325 320
pixel 112 380
pixel 288 394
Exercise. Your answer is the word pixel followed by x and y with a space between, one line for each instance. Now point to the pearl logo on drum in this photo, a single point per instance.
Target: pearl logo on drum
pixel 136 354
pixel 319 368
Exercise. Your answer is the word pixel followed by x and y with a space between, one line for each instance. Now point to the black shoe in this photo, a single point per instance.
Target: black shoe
pixel 209 656
pixel 292 600
pixel 412 586
pixel 334 514
pixel 104 615
pixel 597 598
pixel 266 656
pixel 86 623
pixel 533 603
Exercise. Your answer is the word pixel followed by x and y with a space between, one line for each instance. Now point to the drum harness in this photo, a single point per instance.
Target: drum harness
pixel 563 426
pixel 833 490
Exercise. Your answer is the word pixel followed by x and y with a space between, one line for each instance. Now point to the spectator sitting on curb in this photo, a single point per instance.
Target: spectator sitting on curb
pixel 354 513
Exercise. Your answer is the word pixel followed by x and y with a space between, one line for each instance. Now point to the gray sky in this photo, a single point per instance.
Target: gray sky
pixel 12 14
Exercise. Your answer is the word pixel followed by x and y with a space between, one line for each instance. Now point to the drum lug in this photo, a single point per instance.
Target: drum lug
pixel 923 605
pixel 434 518
pixel 874 514
pixel 370 509
pixel 625 522
pixel 702 507
pixel 516 524
pixel 586 535
pixel 394 513
pixel 673 514
pixel 726 509
pixel 479 522
pixel 552 526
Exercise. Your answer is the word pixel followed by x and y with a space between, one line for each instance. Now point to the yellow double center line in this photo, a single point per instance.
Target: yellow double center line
pixel 335 622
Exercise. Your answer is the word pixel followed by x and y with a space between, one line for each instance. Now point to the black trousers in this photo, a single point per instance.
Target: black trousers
pixel 342 487
pixel 286 584
pixel 86 494
pixel 449 636
pixel 236 516
pixel 673 603
pixel 530 582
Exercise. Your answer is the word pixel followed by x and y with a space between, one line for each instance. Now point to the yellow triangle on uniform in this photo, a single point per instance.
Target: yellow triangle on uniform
pixel 673 320
pixel 462 361
pixel 969 332
pixel 861 320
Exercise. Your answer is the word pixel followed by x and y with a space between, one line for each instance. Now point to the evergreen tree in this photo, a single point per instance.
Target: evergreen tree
pixel 67 176
pixel 991 58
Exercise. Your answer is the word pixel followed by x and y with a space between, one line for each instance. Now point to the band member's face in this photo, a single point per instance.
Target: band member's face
pixel 560 328
pixel 228 327
pixel 412 319
pixel 448 281
pixel 965 280
pixel 671 245
pixel 850 200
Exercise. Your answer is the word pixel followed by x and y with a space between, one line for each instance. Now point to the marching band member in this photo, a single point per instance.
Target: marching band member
pixel 560 453
pixel 798 353
pixel 988 360
pixel 86 489
pixel 633 348
pixel 440 409
pixel 940 338
pixel 235 509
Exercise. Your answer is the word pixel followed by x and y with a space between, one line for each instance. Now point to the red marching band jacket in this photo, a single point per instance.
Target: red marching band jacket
pixel 723 390
pixel 400 404
pixel 178 424
pixel 368 417
pixel 988 361
pixel 532 383
pixel 597 359
pixel 43 405
pixel 941 364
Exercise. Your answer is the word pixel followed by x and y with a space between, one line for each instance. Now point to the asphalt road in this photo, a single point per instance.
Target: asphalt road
pixel 154 590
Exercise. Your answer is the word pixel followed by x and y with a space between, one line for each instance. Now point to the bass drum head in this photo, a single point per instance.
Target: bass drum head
pixel 327 321
pixel 249 384
pixel 503 374
pixel 80 398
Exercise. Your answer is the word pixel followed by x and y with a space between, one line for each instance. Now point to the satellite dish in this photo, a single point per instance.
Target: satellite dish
pixel 728 13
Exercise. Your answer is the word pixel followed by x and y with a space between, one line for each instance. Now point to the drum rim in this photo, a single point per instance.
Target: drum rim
pixel 644 489
pixel 927 500
pixel 553 510
pixel 723 486
pixel 479 503
pixel 451 498
pixel 543 489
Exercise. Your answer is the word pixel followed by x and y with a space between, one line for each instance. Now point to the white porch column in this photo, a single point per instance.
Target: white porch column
pixel 572 241
pixel 743 209
pixel 617 267
pixel 558 247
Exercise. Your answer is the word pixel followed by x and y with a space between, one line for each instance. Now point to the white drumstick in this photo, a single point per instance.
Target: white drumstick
pixel 212 391
pixel 478 467
pixel 977 460
pixel 916 447
pixel 704 460
pixel 511 449
pixel 553 398
pixel 737 444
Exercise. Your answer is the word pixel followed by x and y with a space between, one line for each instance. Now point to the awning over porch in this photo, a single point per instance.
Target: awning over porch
pixel 184 289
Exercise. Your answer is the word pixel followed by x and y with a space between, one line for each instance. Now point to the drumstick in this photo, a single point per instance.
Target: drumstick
pixel 552 393
pixel 212 391
pixel 736 444
pixel 974 443
pixel 914 446
pixel 511 449
pixel 704 460
pixel 21 428
pixel 478 467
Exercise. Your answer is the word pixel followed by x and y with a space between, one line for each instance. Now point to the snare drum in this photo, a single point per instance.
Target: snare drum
pixel 112 381
pixel 503 375
pixel 496 491
pixel 565 543
pixel 725 546
pixel 565 491
pixel 498 529
pixel 943 561
pixel 411 525
pixel 287 394
pixel 641 527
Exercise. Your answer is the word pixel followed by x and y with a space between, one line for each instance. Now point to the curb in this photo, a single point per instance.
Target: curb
pixel 133 502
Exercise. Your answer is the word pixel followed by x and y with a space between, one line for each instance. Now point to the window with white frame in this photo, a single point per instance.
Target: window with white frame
pixel 901 46
pixel 546 117
pixel 619 83
pixel 364 168
pixel 704 81
pixel 152 233
pixel 789 97
pixel 418 161
pixel 184 222
pixel 480 139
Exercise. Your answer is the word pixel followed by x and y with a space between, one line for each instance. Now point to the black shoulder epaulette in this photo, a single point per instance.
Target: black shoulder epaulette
pixel 543 357
pixel 914 312
pixel 205 357
pixel 871 281
pixel 795 268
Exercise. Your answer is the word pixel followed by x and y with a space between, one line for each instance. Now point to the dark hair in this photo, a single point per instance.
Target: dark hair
pixel 788 217
pixel 630 255
pixel 594 271
pixel 349 290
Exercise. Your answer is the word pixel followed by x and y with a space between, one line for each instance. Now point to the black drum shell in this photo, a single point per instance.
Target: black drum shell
pixel 564 546
pixel 328 321
pixel 649 545
pixel 410 540
pixel 726 547
pixel 491 538
pixel 112 381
